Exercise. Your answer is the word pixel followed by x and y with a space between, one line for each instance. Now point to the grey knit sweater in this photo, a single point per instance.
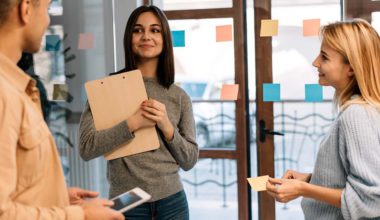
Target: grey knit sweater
pixel 349 159
pixel 155 171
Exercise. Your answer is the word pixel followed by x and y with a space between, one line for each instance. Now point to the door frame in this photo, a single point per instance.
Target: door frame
pixel 241 153
pixel 264 110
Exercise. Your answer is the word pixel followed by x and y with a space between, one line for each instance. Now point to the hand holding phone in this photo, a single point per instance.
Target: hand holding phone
pixel 130 199
pixel 98 209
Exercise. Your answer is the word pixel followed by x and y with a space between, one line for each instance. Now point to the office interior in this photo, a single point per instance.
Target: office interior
pixel 218 43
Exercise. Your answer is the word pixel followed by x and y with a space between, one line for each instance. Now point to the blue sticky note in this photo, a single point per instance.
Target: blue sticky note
pixel 178 38
pixel 53 43
pixel 271 92
pixel 313 93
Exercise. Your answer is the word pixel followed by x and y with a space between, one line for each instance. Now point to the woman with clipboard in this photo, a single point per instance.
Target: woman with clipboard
pixel 148 47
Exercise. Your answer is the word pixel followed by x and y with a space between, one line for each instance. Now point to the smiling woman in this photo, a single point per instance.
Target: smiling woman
pixel 147 38
pixel 165 68
pixel 148 47
pixel 345 181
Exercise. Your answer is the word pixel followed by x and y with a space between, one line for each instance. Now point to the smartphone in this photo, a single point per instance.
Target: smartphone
pixel 130 199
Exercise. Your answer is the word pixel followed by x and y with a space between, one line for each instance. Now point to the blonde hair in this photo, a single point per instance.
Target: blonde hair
pixel 359 44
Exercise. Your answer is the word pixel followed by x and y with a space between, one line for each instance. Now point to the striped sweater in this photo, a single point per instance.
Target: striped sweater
pixel 349 159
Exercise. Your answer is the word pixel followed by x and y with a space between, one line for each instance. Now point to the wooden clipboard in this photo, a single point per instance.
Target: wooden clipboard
pixel 114 99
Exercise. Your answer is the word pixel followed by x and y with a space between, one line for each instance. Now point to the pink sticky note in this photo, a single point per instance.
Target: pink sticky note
pixel 86 41
pixel 223 33
pixel 311 27
pixel 269 28
pixel 229 92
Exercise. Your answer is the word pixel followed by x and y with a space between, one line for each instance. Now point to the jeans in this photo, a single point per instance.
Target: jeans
pixel 174 207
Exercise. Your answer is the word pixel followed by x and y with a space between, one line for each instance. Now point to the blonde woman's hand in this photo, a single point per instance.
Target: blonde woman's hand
pixel 291 174
pixel 284 190
pixel 156 111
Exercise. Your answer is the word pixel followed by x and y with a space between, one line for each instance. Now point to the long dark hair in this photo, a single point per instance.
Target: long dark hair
pixel 165 69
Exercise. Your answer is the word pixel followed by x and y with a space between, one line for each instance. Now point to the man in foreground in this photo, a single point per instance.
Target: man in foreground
pixel 32 185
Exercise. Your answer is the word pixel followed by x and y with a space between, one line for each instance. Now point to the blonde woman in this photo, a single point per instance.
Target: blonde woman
pixel 345 183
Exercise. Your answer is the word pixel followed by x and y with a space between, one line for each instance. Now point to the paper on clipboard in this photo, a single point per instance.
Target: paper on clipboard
pixel 114 99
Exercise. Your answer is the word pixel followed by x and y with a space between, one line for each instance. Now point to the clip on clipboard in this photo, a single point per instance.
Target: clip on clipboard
pixel 116 98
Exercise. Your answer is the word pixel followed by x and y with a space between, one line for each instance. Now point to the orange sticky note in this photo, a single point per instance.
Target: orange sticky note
pixel 269 28
pixel 258 183
pixel 223 33
pixel 229 92
pixel 86 41
pixel 311 27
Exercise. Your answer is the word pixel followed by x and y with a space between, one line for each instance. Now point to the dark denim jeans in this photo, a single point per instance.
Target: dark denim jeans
pixel 174 207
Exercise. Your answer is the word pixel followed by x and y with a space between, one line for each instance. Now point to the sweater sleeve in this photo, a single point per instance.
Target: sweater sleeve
pixel 183 146
pixel 95 143
pixel 359 149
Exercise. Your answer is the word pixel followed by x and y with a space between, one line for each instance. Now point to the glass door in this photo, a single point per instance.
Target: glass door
pixel 285 79
pixel 303 120
pixel 209 51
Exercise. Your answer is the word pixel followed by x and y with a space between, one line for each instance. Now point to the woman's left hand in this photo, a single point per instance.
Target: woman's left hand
pixel 284 190
pixel 156 111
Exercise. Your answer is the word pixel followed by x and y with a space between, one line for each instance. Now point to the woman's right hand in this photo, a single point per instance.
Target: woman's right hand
pixel 138 121
pixel 291 174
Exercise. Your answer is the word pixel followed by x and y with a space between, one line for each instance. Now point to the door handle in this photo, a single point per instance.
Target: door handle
pixel 264 131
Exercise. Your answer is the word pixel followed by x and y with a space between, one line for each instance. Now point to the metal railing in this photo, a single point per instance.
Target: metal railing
pixel 304 125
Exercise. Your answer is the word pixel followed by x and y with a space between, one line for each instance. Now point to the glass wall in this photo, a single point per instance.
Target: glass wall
pixel 202 66
pixel 303 123
pixel 74 51
pixel 211 188
pixel 204 63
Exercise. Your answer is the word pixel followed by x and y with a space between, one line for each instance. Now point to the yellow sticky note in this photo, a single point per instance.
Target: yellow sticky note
pixel 258 183
pixel 223 33
pixel 311 27
pixel 269 28
pixel 229 92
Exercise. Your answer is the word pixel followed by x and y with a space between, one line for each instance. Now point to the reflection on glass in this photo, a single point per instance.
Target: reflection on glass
pixel 211 188
pixel 169 5
pixel 203 59
pixel 202 67
pixel 49 65
pixel 215 124
pixel 194 90
pixel 56 8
